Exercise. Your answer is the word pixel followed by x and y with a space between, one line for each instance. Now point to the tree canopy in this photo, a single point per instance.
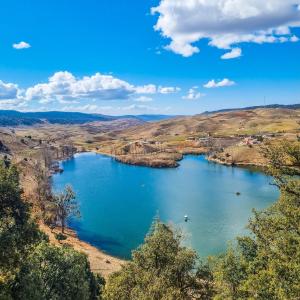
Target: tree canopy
pixel 161 268
pixel 266 265
pixel 31 268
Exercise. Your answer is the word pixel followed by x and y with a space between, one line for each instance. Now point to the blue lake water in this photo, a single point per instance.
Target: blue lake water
pixel 118 202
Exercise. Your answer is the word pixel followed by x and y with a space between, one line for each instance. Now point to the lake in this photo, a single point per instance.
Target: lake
pixel 118 202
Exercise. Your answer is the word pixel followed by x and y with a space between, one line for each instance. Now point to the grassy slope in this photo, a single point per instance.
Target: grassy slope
pixel 175 134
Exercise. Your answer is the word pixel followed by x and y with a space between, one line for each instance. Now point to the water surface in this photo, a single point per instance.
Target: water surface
pixel 118 202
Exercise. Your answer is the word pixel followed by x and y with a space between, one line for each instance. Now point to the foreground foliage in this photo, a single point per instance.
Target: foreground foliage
pixel 55 273
pixel 30 268
pixel 160 269
pixel 267 264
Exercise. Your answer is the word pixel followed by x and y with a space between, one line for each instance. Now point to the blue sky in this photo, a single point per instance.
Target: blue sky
pixel 140 69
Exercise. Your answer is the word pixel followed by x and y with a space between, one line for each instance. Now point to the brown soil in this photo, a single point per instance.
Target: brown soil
pixel 101 262
pixel 160 160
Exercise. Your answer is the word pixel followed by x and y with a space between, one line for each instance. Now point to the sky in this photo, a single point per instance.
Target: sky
pixel 122 57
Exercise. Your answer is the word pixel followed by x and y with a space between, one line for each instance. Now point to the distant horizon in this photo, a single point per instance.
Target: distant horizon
pixel 158 114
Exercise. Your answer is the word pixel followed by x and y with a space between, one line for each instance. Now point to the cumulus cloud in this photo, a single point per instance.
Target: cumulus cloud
pixel 21 45
pixel 65 89
pixel 193 94
pixel 8 91
pixel 64 86
pixel 225 23
pixel 216 84
pixel 11 96
pixel 234 53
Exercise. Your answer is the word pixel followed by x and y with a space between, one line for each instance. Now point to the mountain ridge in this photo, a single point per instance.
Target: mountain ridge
pixel 17 118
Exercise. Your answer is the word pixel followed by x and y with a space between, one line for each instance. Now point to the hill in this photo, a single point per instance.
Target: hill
pixel 229 137
pixel 151 118
pixel 277 106
pixel 16 118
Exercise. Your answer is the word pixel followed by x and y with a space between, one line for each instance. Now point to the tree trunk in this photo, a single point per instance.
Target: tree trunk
pixel 63 225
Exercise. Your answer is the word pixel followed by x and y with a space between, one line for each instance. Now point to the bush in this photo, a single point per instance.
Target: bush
pixel 56 273
pixel 160 269
pixel 60 236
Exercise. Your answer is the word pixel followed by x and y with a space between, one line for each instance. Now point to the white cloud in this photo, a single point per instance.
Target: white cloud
pixel 153 89
pixel 11 96
pixel 64 86
pixel 216 84
pixel 234 53
pixel 146 89
pixel 143 99
pixel 21 45
pixel 225 23
pixel 294 39
pixel 65 90
pixel 8 91
pixel 193 94
pixel 168 90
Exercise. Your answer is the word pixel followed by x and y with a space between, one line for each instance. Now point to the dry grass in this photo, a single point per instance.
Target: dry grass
pixel 100 262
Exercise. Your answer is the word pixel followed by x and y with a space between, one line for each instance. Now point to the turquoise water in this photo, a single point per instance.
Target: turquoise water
pixel 118 201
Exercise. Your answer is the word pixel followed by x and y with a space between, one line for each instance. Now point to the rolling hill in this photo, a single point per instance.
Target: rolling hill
pixel 16 118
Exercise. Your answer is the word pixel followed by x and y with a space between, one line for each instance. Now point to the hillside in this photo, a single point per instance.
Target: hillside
pixel 222 135
pixel 239 122
pixel 289 106
pixel 16 118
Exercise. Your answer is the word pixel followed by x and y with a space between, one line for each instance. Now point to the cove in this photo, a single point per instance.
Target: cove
pixel 118 202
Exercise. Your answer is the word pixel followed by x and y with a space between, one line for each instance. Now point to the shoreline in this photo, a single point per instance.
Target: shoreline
pixel 238 164
pixel 259 166
pixel 100 262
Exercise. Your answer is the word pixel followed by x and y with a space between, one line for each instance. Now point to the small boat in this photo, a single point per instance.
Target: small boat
pixel 186 218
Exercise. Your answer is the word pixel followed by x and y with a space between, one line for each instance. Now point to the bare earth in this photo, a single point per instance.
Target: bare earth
pixel 100 262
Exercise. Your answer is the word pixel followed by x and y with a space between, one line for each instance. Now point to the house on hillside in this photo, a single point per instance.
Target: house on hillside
pixel 251 140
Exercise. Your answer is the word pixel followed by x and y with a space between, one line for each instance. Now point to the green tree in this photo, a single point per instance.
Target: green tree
pixel 160 269
pixel 18 232
pixel 65 206
pixel 56 273
pixel 267 264
pixel 30 268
